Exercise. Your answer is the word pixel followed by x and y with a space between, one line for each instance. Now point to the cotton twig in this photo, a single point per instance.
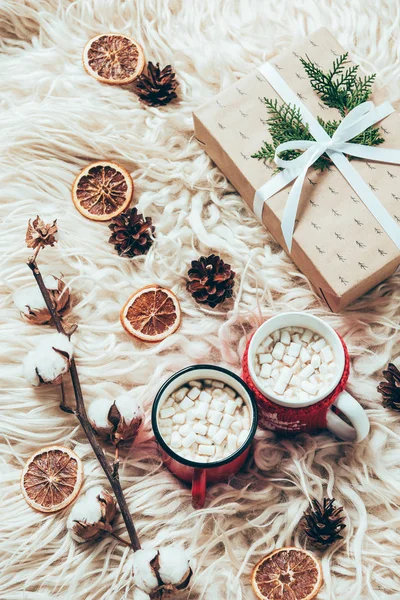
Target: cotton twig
pixel 80 412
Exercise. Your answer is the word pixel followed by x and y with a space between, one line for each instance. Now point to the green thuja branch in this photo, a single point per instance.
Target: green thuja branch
pixel 339 88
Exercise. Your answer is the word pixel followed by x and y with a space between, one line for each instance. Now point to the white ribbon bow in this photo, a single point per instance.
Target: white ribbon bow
pixel 357 121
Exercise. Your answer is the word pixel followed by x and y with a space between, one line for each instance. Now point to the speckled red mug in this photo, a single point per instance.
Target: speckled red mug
pixel 197 473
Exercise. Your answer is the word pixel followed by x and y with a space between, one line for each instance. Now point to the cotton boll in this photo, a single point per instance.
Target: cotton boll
pixel 98 416
pixel 144 576
pixel 167 568
pixel 29 369
pixel 31 303
pixel 174 564
pixel 91 515
pixel 129 408
pixel 49 360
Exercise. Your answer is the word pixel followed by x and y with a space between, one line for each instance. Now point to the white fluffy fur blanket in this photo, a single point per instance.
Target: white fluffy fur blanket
pixel 54 120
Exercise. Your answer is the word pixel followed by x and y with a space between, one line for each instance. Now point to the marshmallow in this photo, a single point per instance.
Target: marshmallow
pixel 232 442
pixel 185 429
pixel 318 345
pixel 265 371
pixel 203 439
pixel 206 450
pixel 181 393
pixel 176 440
pixel 227 421
pixel 214 416
pixel 285 337
pixel 179 418
pixel 316 359
pixel 265 358
pixel 217 405
pixel 309 387
pixel 305 355
pixel 242 437
pixel 217 384
pixel 326 354
pixel 289 360
pixel 205 397
pixel 294 349
pixel 230 391
pixel 236 427
pixel 189 440
pixel 230 407
pixel 307 335
pixel 212 430
pixel 200 410
pixel 220 436
pixel 306 372
pixel 193 393
pixel 200 428
pixel 167 412
pixel 278 351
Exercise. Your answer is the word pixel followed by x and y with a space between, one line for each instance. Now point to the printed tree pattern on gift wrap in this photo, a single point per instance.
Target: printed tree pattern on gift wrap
pixel 349 239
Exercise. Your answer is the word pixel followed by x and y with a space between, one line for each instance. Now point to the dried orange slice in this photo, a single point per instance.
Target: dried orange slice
pixel 287 574
pixel 113 58
pixel 51 479
pixel 102 190
pixel 151 314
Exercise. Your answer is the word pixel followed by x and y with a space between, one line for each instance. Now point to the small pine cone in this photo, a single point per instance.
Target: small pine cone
pixel 211 280
pixel 132 234
pixel 323 523
pixel 156 87
pixel 390 389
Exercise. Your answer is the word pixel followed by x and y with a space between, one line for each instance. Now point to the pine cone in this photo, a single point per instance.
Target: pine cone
pixel 210 280
pixel 156 87
pixel 390 389
pixel 323 524
pixel 131 233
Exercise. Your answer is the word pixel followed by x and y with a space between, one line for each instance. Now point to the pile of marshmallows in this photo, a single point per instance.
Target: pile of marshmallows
pixel 295 363
pixel 204 421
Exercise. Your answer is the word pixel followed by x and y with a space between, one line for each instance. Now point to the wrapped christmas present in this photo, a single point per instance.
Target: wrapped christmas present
pixel 315 156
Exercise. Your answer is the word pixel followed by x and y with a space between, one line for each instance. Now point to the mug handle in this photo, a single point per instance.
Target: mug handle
pixel 356 415
pixel 199 488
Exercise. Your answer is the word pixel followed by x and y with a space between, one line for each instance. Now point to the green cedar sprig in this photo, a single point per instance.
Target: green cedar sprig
pixel 339 88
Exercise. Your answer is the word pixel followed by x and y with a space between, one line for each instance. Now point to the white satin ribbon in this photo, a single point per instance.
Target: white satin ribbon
pixel 355 122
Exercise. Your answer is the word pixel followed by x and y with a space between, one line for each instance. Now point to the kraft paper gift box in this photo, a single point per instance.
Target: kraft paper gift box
pixel 337 243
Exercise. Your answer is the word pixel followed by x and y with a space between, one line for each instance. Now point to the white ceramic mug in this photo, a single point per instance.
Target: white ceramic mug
pixel 285 408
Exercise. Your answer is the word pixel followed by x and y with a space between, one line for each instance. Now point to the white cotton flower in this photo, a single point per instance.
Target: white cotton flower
pixel 143 573
pixel 98 416
pixel 117 420
pixel 174 564
pixel 30 302
pixel 49 360
pixel 166 568
pixel 91 515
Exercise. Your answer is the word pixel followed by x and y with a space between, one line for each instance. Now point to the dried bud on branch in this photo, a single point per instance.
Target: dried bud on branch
pixel 30 301
pixel 49 361
pixel 92 515
pixel 118 421
pixel 40 234
pixel 166 569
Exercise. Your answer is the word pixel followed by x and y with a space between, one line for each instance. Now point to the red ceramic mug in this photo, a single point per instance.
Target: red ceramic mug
pixel 325 411
pixel 199 474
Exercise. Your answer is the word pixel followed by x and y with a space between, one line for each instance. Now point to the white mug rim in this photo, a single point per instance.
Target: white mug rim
pixel 297 319
pixel 207 371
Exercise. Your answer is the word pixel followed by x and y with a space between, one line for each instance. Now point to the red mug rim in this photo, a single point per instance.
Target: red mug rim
pixel 182 459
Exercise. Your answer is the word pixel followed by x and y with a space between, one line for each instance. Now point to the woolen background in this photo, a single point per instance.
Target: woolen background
pixel 54 120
